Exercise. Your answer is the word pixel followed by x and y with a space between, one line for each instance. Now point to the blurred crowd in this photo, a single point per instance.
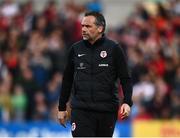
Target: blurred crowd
pixel 151 38
pixel 33 47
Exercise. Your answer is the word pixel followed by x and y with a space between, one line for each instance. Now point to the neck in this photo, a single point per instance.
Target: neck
pixel 94 40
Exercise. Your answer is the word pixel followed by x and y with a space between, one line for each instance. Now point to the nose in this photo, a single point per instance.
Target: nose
pixel 83 29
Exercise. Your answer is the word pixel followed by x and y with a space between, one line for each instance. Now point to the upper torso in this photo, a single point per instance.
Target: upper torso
pixel 95 75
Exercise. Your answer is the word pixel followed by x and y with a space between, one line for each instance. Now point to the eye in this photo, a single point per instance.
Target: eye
pixel 87 26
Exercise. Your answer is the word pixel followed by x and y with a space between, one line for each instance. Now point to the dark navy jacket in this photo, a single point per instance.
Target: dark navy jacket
pixel 91 76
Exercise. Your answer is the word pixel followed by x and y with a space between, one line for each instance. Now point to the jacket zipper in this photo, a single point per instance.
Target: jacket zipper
pixel 74 81
pixel 92 75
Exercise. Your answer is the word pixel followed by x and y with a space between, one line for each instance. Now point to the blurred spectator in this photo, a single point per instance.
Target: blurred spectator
pixel 9 8
pixel 5 99
pixel 28 16
pixel 142 113
pixel 3 23
pixel 145 89
pixel 53 89
pixel 41 24
pixel 160 105
pixel 26 79
pixel 156 64
pixel 52 15
pixel 11 51
pixel 176 84
pixel 40 108
pixel 19 102
pixel 72 22
pixel 3 69
pixel 51 11
pixel 169 72
pixel 175 98
pixel 57 50
pixel 137 64
pixel 40 65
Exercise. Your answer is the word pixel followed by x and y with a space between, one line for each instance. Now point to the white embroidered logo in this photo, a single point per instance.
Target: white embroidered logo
pixel 81 66
pixel 73 127
pixel 80 55
pixel 103 54
pixel 103 65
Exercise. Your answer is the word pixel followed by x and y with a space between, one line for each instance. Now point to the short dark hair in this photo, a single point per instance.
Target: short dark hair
pixel 100 20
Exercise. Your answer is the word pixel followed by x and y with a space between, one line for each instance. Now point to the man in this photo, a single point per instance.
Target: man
pixel 91 74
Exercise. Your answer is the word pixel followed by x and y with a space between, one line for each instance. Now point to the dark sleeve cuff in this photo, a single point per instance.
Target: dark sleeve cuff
pixel 127 90
pixel 130 103
pixel 62 108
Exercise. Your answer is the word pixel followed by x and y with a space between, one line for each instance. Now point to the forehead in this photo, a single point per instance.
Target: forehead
pixel 88 20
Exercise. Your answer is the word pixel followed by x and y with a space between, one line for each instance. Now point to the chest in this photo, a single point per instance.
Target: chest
pixel 93 60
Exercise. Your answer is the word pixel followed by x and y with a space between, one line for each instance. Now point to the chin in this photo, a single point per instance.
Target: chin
pixel 85 38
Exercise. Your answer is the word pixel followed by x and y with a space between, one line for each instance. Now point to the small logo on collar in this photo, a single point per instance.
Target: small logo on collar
pixel 103 54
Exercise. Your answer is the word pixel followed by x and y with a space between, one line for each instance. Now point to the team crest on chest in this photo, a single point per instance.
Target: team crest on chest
pixel 73 127
pixel 103 54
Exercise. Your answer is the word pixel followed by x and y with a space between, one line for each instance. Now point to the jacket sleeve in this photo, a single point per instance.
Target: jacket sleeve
pixel 67 81
pixel 123 74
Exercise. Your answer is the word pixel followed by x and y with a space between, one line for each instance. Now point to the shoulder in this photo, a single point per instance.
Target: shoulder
pixel 115 47
pixel 77 44
pixel 111 43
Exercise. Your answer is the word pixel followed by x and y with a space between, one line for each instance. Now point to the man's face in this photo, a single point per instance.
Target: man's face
pixel 90 31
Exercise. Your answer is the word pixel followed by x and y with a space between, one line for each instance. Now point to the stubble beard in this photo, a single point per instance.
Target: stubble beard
pixel 88 38
pixel 85 38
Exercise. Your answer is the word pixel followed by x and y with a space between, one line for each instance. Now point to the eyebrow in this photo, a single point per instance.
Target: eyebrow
pixel 87 25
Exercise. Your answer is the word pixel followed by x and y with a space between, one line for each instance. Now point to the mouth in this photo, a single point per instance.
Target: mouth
pixel 84 34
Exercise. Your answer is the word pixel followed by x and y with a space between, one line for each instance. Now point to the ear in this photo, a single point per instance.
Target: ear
pixel 100 29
